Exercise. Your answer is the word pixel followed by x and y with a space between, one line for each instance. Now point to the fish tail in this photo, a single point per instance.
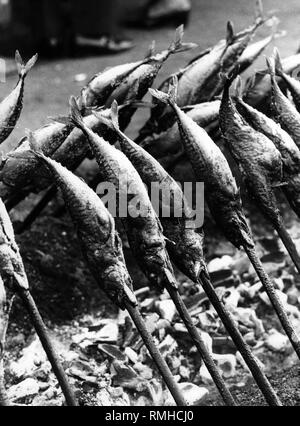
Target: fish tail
pixel 177 44
pixel 75 114
pixel 278 64
pixel 151 50
pixel 228 79
pixel 238 88
pixel 113 121
pixel 271 67
pixel 23 69
pixel 114 114
pixel 259 12
pixel 167 98
pixel 230 37
pixel 34 147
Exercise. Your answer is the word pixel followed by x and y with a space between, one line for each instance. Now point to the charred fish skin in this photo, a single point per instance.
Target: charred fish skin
pixel 95 226
pixel 20 171
pixel 103 84
pixel 292 83
pixel 144 230
pixel 259 161
pixel 285 145
pixel 11 107
pixel 169 141
pixel 143 77
pixel 258 91
pixel 211 167
pixel 282 108
pixel 184 245
pixel 11 263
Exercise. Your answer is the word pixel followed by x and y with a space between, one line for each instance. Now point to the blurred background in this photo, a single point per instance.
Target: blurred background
pixel 35 25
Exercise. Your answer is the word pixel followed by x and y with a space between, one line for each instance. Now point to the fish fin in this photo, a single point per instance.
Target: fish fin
pixel 278 64
pixel 239 87
pixel 114 115
pixel 62 119
pixel 23 69
pixel 229 78
pixel 250 83
pixel 33 144
pixel 230 33
pixel 75 114
pixel 259 11
pixel 177 44
pixel 271 67
pixel 106 121
pixel 133 91
pixel 151 50
pixel 167 98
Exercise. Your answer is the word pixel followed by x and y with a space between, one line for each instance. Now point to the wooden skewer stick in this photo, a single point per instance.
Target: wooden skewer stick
pixel 4 315
pixel 42 332
pixel 289 245
pixel 156 355
pixel 200 345
pixel 232 329
pixel 276 302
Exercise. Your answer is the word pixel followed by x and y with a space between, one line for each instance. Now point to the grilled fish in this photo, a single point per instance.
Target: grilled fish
pixel 11 107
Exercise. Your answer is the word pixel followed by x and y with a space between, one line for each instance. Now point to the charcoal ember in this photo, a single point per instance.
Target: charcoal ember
pixel 205 376
pixel 231 297
pixel 105 399
pixel 219 264
pixel 24 391
pixel 33 356
pixel 293 295
pixel 113 352
pixel 227 364
pixel 106 334
pixel 277 342
pixel 143 371
pixel 270 244
pixel 193 394
pixel 127 378
pixel 209 321
pixel 184 372
pixel 166 309
pixel 168 345
pixel 223 344
pixel 131 355
pixel 265 299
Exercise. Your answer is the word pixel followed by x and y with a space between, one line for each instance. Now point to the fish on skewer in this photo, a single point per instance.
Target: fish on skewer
pixel 15 279
pixel 254 50
pixel 223 198
pixel 282 109
pixel 144 232
pixel 199 81
pixel 292 83
pixel 144 76
pixel 185 243
pixel 4 315
pixel 289 151
pixel 260 164
pixel 102 249
pixel 169 141
pixel 116 83
pixel 258 86
pixel 11 107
